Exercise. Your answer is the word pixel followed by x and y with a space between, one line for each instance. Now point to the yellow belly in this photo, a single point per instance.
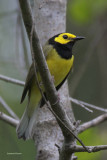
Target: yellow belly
pixel 59 68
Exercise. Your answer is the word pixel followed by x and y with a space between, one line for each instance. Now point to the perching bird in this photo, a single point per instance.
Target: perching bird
pixel 59 57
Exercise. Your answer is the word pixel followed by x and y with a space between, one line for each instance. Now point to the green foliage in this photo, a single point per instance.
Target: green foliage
pixel 83 11
pixel 89 137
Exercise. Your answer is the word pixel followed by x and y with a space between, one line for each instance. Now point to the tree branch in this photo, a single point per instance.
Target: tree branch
pixel 11 80
pixel 92 123
pixel 9 119
pixel 77 148
pixel 80 104
pixel 8 109
pixel 84 104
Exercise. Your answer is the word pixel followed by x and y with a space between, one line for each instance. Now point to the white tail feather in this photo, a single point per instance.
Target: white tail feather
pixel 25 126
pixel 21 128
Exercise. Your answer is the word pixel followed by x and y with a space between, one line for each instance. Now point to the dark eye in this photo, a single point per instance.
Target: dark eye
pixel 65 36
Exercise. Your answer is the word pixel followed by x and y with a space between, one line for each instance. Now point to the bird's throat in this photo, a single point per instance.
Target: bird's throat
pixel 64 50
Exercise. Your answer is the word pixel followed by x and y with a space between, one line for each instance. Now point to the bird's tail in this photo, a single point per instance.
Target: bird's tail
pixel 25 126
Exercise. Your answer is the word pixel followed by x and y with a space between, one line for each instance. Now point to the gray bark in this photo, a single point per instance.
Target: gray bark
pixel 50 19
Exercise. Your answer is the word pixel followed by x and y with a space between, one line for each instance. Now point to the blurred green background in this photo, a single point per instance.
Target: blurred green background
pixel 88 81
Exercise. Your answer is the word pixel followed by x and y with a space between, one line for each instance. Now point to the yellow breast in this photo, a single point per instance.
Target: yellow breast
pixel 59 67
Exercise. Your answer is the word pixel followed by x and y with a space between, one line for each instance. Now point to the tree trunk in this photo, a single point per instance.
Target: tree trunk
pixel 50 19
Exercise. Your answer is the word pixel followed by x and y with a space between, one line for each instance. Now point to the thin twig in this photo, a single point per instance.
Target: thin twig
pixel 8 109
pixel 69 130
pixel 92 123
pixel 79 102
pixel 11 80
pixel 77 148
pixel 9 119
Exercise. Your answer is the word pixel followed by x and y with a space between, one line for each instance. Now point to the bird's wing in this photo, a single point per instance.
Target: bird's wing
pixel 47 48
pixel 28 82
pixel 59 86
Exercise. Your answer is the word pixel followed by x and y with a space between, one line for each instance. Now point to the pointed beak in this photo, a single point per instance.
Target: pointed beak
pixel 78 38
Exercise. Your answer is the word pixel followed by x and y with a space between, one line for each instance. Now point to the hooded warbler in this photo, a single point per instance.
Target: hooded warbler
pixel 59 57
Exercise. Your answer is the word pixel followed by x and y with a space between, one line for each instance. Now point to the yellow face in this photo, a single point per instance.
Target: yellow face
pixel 65 38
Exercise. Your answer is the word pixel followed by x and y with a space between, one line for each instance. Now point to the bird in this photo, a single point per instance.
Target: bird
pixel 59 58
